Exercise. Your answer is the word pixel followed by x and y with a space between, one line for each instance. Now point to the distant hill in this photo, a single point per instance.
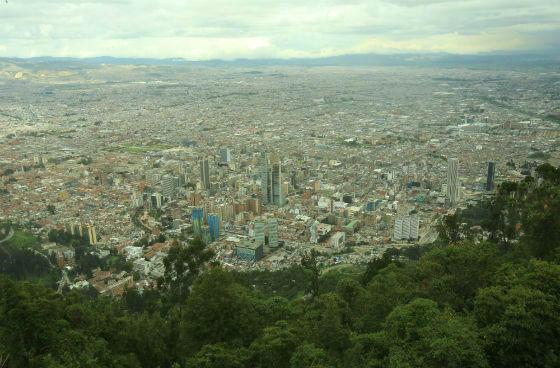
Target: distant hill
pixel 496 60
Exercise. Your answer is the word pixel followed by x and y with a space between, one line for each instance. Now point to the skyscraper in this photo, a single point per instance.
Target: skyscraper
pixel 168 186
pixel 225 155
pixel 490 176
pixel 452 180
pixel 272 233
pixel 214 226
pixel 259 232
pixel 266 179
pixel 197 220
pixel 277 190
pixel 272 191
pixel 205 173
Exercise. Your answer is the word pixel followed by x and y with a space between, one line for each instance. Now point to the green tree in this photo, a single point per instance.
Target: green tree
pixel 219 311
pixel 392 286
pixel 521 326
pixel 310 264
pixel 452 275
pixel 420 335
pixel 449 229
pixel 274 348
pixel 219 356
pixel 183 264
pixel 326 322
pixel 309 356
pixel 367 350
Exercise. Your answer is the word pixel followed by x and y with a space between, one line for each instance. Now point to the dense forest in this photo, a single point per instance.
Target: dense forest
pixel 486 294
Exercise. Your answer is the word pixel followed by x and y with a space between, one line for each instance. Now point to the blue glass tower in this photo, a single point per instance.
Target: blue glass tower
pixel 214 226
pixel 197 220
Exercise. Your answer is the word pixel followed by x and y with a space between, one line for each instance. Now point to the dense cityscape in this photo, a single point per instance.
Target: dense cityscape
pixel 263 164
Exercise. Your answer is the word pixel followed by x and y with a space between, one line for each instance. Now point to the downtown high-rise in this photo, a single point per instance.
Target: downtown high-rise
pixel 205 173
pixel 271 182
pixel 452 181
pixel 490 176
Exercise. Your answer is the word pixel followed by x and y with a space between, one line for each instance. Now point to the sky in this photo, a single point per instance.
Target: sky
pixel 230 29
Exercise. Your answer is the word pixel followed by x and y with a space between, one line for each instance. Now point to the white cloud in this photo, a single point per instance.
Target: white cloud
pixel 206 29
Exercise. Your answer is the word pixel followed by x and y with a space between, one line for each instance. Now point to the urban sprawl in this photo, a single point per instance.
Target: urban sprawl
pixel 262 164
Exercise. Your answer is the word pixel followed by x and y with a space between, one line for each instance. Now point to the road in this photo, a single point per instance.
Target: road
pixel 64 280
pixel 9 236
pixel 429 237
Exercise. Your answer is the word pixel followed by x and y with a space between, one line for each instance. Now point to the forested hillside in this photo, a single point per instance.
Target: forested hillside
pixel 487 294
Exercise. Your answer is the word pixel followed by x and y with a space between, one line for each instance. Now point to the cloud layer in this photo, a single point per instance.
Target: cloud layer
pixel 228 29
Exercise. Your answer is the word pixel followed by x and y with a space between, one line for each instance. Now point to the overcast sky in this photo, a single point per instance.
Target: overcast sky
pixel 227 29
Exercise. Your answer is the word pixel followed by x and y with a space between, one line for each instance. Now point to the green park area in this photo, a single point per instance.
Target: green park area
pixel 22 239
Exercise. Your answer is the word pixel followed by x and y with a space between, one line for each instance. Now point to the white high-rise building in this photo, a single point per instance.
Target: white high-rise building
pixel 398 230
pixel 406 227
pixel 168 186
pixel 452 181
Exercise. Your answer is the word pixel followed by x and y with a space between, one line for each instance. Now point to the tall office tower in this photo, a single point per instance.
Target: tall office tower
pixel 272 233
pixel 272 191
pixel 490 176
pixel 205 173
pixel 266 179
pixel 197 220
pixel 214 226
pixel 259 232
pixel 168 186
pixel 225 155
pixel 92 235
pixel 277 185
pixel 452 180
